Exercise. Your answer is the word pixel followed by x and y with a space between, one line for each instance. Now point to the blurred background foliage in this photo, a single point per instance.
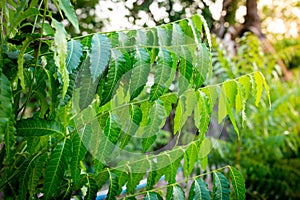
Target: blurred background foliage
pixel 268 152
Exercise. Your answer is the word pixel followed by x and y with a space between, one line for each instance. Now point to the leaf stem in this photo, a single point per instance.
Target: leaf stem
pixel 165 95
pixel 179 182
pixel 36 18
pixel 36 62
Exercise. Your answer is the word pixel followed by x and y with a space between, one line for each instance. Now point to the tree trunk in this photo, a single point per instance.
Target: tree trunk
pixel 252 21
pixel 253 24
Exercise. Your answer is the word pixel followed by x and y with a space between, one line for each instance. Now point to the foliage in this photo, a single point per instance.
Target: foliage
pixel 71 107
pixel 288 50
pixel 268 152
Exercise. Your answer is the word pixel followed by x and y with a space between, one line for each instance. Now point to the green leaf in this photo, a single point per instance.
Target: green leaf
pixel 55 169
pixel 114 39
pixel 85 84
pixel 152 196
pixel 205 148
pixel 196 24
pixel 153 49
pixel 31 175
pixel 100 55
pixel 155 122
pixel 68 9
pixel 177 37
pixel 22 15
pixel 60 49
pixel 169 162
pixel 202 113
pixel 190 158
pixel 67 193
pixel 133 181
pixel 42 98
pixel 35 174
pixel 178 116
pixel 260 82
pixel 122 179
pixel 199 190
pixel 78 154
pixel 164 36
pixel 71 89
pixel 141 38
pixel 259 87
pixel 107 141
pixel 169 100
pixel 74 55
pixel 124 39
pixel 90 132
pixel 221 187
pixel 136 116
pixel 246 83
pixel 6 102
pixel 101 176
pixel 132 126
pixel 38 127
pixel 20 73
pixel 184 56
pixel 184 109
pixel 185 68
pixel 203 162
pixel 240 98
pixel 240 101
pixel 112 130
pixel 196 29
pixel 177 193
pixel 230 91
pixel 147 142
pixel 243 88
pixel 200 23
pixel 33 3
pixel 227 102
pixel 202 65
pixel 188 32
pixel 92 188
pixel 152 175
pixel 164 74
pixel 86 42
pixel 116 70
pixel 136 171
pixel 238 183
pixel 140 72
pixel 212 94
pixel 113 186
pixel 35 144
pixel 222 108
pixel 10 141
pixel 53 89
